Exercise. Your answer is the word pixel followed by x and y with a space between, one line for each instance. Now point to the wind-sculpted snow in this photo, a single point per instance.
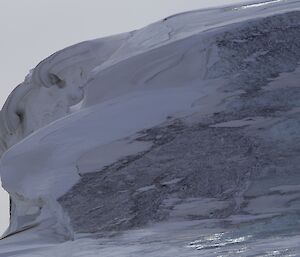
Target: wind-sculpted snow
pixel 190 125
pixel 52 88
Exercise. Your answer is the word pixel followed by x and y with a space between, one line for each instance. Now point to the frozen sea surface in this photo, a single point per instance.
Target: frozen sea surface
pixel 194 238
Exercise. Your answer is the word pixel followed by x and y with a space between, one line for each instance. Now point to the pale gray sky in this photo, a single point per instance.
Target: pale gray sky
pixel 33 29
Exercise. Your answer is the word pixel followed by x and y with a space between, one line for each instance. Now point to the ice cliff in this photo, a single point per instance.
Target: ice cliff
pixel 191 120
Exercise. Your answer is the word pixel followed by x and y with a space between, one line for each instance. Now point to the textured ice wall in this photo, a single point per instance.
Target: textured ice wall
pixel 119 86
pixel 222 154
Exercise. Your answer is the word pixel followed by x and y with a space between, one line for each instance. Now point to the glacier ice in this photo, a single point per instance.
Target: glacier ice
pixel 189 125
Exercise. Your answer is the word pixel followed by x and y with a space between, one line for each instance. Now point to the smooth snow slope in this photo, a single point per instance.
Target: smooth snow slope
pixel 85 108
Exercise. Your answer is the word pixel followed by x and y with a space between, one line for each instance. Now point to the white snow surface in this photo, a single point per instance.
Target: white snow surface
pixel 99 95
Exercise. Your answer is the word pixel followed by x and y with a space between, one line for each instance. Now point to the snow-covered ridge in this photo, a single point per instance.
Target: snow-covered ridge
pixel 115 106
